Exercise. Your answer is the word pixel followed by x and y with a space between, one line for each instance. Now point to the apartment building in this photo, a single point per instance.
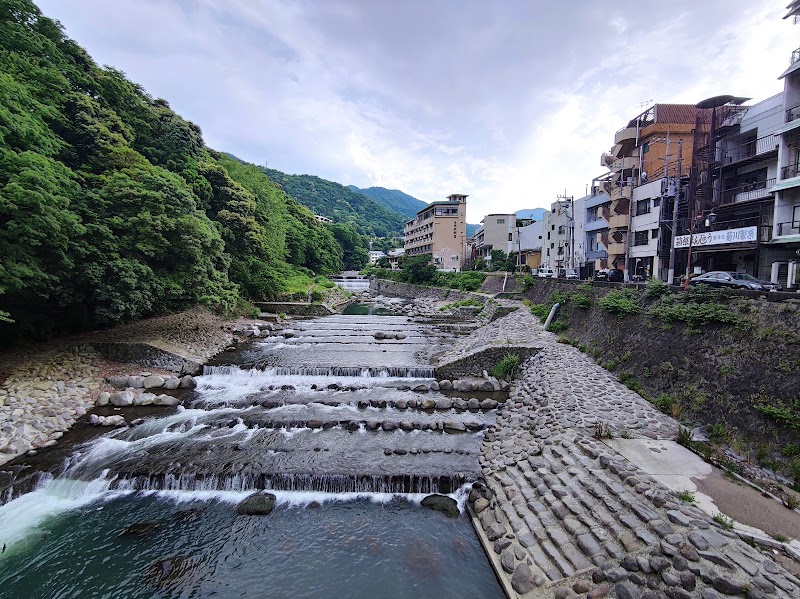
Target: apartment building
pixel 597 211
pixel 530 241
pixel 640 155
pixel 439 229
pixel 497 232
pixel 558 242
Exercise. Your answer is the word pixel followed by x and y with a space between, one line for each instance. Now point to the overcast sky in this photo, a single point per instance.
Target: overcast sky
pixel 511 102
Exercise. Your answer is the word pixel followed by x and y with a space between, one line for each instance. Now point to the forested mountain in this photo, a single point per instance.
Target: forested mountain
pixel 341 204
pixel 113 208
pixel 393 199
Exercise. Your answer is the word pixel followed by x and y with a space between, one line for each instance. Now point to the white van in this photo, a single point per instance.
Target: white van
pixel 546 273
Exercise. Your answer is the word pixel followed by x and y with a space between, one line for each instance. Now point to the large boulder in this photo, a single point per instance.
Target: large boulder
pixel 187 382
pixel 121 398
pixel 137 382
pixel 258 504
pixel 166 400
pixel 104 397
pixel 172 383
pixel 153 382
pixel 442 503
pixel 120 382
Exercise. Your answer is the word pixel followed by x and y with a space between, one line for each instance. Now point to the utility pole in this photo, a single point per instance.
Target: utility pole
pixel 675 207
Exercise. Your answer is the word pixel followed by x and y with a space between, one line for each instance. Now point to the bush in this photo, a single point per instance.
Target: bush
pixel 693 314
pixel 656 288
pixel 558 325
pixel 622 302
pixel 507 367
pixel 540 310
pixel 666 403
pixel 527 282
pixel 581 301
pixel 559 297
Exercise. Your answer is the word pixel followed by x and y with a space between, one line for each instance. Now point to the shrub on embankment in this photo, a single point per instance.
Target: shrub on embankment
pixel 726 360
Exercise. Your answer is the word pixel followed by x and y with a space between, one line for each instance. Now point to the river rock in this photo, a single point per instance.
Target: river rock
pixel 455 426
pixel 434 386
pixel 103 398
pixel 389 425
pixel 144 399
pixel 120 382
pixel 137 382
pixel 166 400
pixel 400 336
pixel 463 386
pixel 473 404
pixel 445 385
pixel 442 503
pixel 379 335
pixel 444 403
pixel 258 504
pixel 153 382
pixel 172 383
pixel 522 580
pixel 121 398
pixel 187 382
pixel 487 386
pixel 427 404
pixel 421 388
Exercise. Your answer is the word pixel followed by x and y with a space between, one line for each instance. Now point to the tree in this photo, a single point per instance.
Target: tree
pixel 419 269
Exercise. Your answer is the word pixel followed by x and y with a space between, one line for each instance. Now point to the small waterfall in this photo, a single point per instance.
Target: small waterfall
pixel 258 370
pixel 326 483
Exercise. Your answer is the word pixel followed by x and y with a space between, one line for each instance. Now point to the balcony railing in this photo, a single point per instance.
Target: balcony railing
pixel 790 228
pixel 793 113
pixel 750 191
pixel 795 54
pixel 792 170
pixel 762 145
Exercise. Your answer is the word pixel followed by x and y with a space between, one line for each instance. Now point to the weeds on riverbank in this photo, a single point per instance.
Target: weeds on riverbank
pixel 507 367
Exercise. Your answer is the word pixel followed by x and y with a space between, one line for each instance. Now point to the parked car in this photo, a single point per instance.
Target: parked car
pixel 546 273
pixel 733 280
pixel 571 273
pixel 615 275
pixel 609 274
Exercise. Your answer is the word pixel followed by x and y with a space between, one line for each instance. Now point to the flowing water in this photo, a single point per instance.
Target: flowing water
pixel 325 416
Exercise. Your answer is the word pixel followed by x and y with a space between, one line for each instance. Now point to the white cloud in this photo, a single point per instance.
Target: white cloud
pixel 511 103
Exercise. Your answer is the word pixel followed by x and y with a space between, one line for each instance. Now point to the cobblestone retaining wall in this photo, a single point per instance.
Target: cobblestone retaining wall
pixel 148 356
pixel 475 363
pixel 410 291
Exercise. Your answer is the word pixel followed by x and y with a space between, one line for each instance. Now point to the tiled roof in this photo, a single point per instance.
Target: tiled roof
pixel 676 113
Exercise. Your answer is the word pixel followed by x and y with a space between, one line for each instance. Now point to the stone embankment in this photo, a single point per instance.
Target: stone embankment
pixel 44 392
pixel 563 515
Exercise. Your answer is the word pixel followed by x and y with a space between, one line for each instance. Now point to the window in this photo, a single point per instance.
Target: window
pixel 552 245
pixel 552 227
pixel 509 237
pixel 561 229
pixel 640 238
pixel 656 202
pixel 548 235
pixel 654 234
pixel 501 221
pixel 642 207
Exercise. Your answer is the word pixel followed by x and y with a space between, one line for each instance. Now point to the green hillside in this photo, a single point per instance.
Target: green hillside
pixel 112 207
pixel 393 199
pixel 341 204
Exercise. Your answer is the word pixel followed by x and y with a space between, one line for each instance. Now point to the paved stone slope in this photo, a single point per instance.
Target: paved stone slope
pixel 563 515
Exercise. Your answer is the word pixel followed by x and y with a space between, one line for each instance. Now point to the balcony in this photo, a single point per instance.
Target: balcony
pixel 616 249
pixel 595 224
pixel 793 113
pixel 618 221
pixel 748 192
pixel 790 228
pixel 795 54
pixel 751 149
pixel 628 162
pixel 617 193
pixel 792 170
pixel 627 134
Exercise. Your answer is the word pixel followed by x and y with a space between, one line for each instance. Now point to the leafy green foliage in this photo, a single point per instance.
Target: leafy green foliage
pixel 507 367
pixel 464 281
pixel 540 310
pixel 622 302
pixel 393 199
pixel 698 306
pixel 339 203
pixel 112 208
pixel 656 288
pixel 581 301
pixel 527 282
pixel 558 325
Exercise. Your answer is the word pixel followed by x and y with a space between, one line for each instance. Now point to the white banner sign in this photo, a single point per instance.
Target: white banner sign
pixel 743 235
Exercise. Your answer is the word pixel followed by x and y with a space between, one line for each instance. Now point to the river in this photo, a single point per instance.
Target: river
pixel 325 416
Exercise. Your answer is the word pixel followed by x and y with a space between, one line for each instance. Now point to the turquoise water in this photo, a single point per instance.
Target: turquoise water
pixel 202 548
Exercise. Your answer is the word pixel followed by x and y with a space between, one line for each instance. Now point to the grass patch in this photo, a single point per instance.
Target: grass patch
pixel 581 301
pixel 666 403
pixel 540 310
pixel 686 496
pixel 557 326
pixel 723 520
pixel 461 303
pixel 507 367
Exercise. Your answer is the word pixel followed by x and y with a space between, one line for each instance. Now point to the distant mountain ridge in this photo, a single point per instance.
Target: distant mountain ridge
pixel 393 199
pixel 340 203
